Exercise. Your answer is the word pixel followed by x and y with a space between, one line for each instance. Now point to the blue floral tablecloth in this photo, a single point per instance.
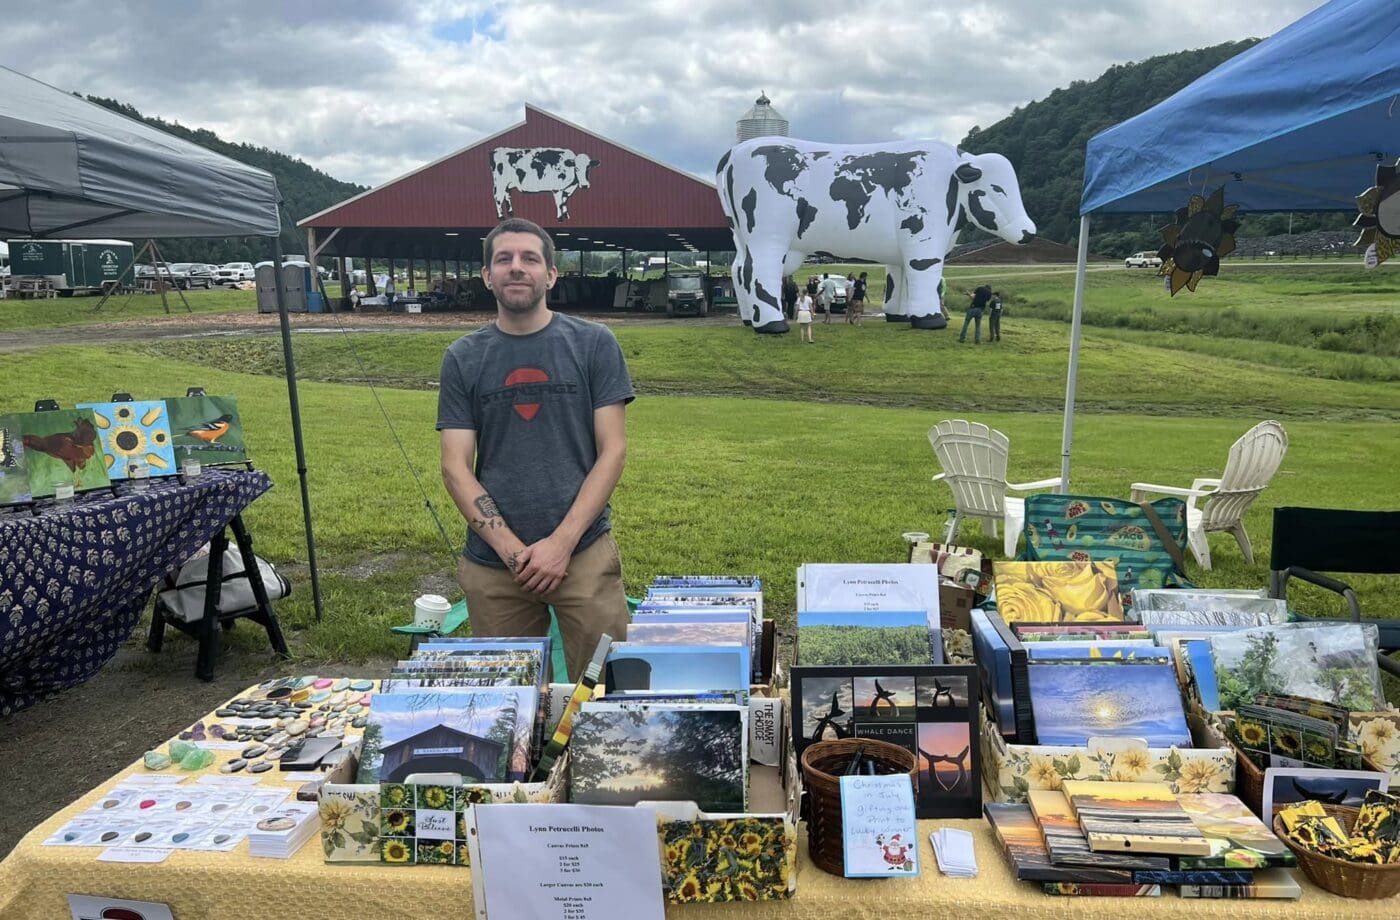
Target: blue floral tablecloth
pixel 74 579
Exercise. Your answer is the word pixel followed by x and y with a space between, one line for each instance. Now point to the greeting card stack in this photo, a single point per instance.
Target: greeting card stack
pixel 699 609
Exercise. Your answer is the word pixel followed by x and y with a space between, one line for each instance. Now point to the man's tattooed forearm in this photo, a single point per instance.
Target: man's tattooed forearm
pixel 490 516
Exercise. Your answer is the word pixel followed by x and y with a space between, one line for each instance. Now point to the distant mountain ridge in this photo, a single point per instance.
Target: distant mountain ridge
pixel 305 190
pixel 1045 141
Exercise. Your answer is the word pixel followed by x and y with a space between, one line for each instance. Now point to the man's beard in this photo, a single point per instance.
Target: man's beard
pixel 519 300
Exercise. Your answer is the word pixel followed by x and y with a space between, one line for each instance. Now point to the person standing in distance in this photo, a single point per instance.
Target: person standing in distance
pixel 828 289
pixel 531 411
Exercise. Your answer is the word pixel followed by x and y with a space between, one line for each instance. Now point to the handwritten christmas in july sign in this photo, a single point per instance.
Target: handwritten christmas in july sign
pixel 880 836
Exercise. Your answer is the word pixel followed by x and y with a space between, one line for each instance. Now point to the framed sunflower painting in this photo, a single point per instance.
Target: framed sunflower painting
pixel 134 432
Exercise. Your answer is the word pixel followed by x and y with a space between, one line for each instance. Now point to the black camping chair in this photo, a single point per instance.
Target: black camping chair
pixel 1356 542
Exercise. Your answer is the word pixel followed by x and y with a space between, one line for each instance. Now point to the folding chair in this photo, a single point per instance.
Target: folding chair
pixel 1355 542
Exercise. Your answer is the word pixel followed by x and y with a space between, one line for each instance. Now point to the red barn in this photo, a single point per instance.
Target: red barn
pixel 590 193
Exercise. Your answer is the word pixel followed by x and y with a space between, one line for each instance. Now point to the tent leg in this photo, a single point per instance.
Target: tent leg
pixel 296 424
pixel 1075 329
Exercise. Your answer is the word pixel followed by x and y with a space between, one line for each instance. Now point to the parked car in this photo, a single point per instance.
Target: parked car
pixel 234 272
pixel 1142 260
pixel 189 275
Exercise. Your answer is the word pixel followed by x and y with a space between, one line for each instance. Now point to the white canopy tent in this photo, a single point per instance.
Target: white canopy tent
pixel 70 169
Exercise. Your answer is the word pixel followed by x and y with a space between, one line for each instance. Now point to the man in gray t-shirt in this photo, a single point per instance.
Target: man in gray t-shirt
pixel 531 415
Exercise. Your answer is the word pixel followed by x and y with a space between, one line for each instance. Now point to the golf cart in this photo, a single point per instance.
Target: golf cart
pixel 685 294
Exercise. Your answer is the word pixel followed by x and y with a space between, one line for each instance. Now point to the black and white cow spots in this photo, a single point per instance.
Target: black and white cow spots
pixel 556 170
pixel 786 198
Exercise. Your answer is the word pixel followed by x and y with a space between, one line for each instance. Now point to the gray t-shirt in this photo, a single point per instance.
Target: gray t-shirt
pixel 530 399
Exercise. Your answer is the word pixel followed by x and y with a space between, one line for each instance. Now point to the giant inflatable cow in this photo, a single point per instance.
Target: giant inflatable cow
pixel 899 203
pixel 556 170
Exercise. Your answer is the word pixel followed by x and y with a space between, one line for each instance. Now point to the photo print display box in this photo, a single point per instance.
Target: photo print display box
pixel 929 710
pixel 1057 592
pixel 134 432
pixel 873 588
pixel 207 429
pixel 62 447
pixel 1013 770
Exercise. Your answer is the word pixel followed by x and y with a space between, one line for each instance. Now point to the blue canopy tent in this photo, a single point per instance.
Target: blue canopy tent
pixel 1299 122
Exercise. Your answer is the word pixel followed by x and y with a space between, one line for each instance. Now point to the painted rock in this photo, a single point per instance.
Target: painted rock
pixel 361 685
pixel 302 683
pixel 233 766
pixel 299 695
pixel 355 709
pixel 366 699
pixel 359 722
pixel 341 684
pixel 320 696
pixel 323 684
pixel 155 760
pixel 297 728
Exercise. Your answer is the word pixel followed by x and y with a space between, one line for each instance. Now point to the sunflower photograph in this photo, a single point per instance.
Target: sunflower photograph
pixel 1193 245
pixel 134 432
pixel 397 851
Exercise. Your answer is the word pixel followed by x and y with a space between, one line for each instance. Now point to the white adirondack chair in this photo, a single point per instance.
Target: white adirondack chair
pixel 1253 461
pixel 973 458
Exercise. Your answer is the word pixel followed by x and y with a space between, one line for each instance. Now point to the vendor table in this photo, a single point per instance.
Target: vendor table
pixel 35 880
pixel 75 577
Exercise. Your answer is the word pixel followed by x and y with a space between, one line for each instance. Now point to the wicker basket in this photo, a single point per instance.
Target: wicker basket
pixel 1340 876
pixel 822 766
pixel 1249 780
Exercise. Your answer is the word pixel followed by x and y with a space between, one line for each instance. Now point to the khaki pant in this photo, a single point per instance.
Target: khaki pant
pixel 588 602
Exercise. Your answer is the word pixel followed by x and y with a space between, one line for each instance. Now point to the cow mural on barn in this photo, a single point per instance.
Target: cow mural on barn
pixel 899 203
pixel 556 170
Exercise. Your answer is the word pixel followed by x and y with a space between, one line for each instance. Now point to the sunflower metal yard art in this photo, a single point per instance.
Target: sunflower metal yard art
pixel 1380 216
pixel 1203 232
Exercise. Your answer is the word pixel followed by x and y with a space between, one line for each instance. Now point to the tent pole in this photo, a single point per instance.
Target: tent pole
pixel 296 423
pixel 1067 439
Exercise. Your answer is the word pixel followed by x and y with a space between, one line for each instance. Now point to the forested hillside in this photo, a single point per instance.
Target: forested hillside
pixel 1045 141
pixel 305 190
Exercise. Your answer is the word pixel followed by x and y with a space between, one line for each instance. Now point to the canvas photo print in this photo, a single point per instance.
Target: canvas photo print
pixel 863 637
pixel 14 476
pixel 62 448
pixel 929 710
pixel 1332 663
pixel 207 429
pixel 482 734
pixel 645 666
pixel 1141 817
pixel 1074 701
pixel 134 432
pixel 1159 606
pixel 1285 786
pixel 1237 838
pixel 1057 592
pixel 1024 846
pixel 622 754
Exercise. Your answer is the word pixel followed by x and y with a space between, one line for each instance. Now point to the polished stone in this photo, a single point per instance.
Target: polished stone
pixel 233 766
pixel 361 685
pixel 261 766
pixel 255 751
pixel 298 727
pixel 323 684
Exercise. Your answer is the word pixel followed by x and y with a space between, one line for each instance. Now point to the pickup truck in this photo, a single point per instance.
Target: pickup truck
pixel 234 272
pixel 1142 260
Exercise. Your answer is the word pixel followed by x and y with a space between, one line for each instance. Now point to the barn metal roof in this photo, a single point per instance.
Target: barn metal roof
pixel 443 209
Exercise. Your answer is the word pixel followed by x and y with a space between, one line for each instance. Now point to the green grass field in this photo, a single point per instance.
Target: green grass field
pixel 754 454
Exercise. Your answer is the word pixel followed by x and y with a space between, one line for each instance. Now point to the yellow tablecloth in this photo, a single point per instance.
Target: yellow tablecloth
pixel 35 880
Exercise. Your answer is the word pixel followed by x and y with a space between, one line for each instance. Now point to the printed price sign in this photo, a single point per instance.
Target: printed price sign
pixel 880 836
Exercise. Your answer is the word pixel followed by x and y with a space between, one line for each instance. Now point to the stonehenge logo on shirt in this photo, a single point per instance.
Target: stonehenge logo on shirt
pixel 526 388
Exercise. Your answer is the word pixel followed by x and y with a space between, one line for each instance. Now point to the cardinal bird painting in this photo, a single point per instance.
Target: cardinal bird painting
pixel 61 447
pixel 207 429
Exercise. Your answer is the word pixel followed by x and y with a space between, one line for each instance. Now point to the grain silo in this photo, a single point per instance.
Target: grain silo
pixel 761 121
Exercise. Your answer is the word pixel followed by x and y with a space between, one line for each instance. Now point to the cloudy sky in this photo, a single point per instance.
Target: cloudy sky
pixel 369 89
